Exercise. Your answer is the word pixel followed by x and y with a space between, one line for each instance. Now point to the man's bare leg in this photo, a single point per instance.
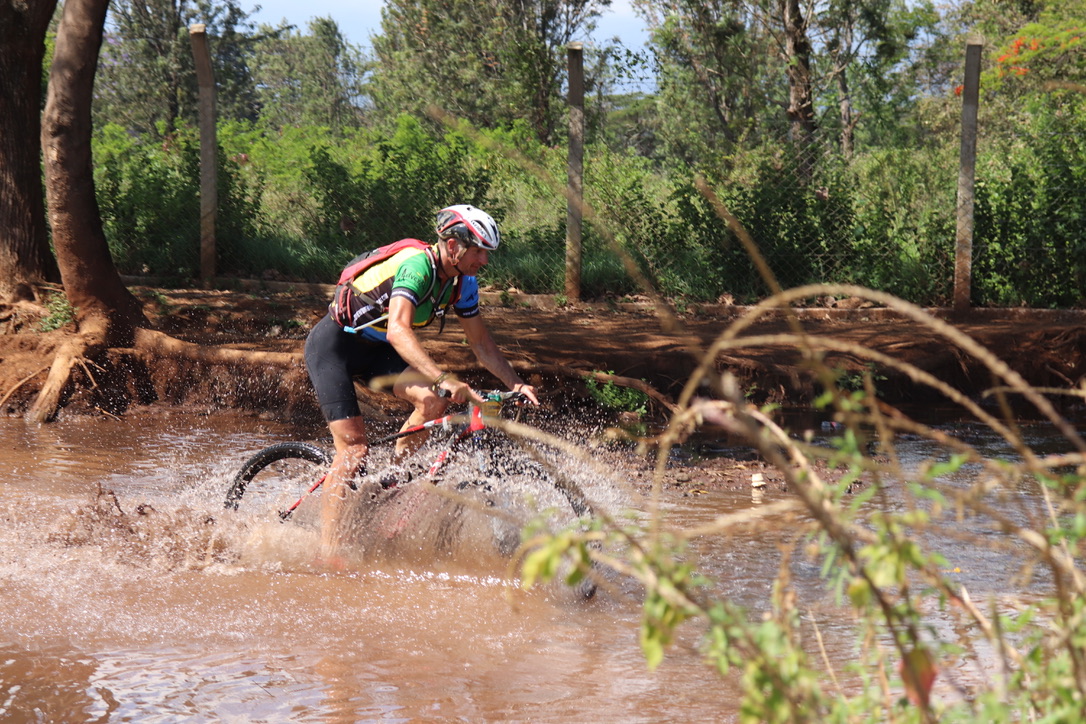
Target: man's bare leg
pixel 352 446
pixel 428 406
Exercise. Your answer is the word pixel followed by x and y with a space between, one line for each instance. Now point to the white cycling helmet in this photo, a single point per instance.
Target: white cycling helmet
pixel 468 225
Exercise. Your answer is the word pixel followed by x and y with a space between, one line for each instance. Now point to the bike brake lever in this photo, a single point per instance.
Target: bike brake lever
pixel 519 398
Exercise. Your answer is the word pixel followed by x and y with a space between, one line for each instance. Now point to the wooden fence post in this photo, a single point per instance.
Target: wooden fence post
pixel 209 193
pixel 963 251
pixel 575 186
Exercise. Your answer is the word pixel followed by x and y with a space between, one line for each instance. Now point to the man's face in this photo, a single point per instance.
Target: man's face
pixel 472 259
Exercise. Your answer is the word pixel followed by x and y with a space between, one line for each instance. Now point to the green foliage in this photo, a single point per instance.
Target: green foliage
pixel 664 609
pixel 303 200
pixel 392 191
pixel 148 197
pixel 490 63
pixel 723 70
pixel 1047 51
pixel 291 200
pixel 61 313
pixel 1029 221
pixel 332 69
pixel 315 179
pixel 903 212
pixel 615 397
pixel 146 80
pixel 146 77
pixel 854 381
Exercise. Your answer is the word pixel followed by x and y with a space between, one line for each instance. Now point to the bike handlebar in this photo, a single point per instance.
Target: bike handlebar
pixel 491 395
pixel 503 395
pixel 498 396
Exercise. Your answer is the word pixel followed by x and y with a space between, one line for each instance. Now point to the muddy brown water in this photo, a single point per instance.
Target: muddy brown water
pixel 188 613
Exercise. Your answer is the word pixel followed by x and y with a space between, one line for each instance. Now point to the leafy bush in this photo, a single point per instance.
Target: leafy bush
pixel 298 202
pixel 148 195
pixel 615 397
pixel 1030 226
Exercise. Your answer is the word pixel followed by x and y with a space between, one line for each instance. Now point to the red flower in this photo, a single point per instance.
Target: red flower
pixel 958 90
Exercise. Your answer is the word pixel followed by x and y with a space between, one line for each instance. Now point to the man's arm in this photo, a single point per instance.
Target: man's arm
pixel 487 352
pixel 401 335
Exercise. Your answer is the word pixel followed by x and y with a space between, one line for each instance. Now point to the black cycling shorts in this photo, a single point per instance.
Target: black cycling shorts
pixel 334 358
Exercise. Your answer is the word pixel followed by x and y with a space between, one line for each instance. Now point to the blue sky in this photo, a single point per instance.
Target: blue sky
pixel 358 19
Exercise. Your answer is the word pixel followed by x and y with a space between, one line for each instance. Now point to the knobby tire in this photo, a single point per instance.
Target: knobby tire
pixel 498 467
pixel 273 454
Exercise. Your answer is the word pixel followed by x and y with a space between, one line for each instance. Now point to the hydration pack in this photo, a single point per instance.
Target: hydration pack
pixel 349 306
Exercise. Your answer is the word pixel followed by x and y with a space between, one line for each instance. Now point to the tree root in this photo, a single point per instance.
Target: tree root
pixel 47 403
pixel 149 344
pixel 19 384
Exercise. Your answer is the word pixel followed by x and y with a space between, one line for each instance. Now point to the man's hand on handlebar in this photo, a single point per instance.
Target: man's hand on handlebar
pixel 461 392
pixel 527 392
pixel 458 391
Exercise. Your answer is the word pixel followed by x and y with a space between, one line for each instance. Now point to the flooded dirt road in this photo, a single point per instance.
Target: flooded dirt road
pixel 183 612
pixel 152 627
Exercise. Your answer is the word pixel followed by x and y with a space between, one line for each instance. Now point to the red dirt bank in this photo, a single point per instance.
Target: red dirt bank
pixel 1047 348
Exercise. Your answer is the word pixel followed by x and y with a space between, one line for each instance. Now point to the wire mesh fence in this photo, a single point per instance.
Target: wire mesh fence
pixel 878 217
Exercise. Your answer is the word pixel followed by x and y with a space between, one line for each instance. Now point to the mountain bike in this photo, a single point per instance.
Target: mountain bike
pixel 481 461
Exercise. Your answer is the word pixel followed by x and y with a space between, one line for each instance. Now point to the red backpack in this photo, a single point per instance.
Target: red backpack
pixel 340 307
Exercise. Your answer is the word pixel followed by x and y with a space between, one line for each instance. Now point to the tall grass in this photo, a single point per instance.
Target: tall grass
pixel 916 624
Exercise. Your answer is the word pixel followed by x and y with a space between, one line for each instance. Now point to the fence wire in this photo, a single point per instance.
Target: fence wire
pixel 884 218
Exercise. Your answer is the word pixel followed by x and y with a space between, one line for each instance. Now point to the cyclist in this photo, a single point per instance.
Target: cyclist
pixel 370 331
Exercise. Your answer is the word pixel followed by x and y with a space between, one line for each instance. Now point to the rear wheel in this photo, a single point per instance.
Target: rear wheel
pixel 280 478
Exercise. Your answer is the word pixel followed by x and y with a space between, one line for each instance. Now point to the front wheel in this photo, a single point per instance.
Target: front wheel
pixel 512 468
pixel 280 478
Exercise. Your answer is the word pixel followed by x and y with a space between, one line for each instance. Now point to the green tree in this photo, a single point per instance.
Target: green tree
pixel 873 65
pixel 313 79
pixel 736 75
pixel 1049 52
pixel 1029 221
pixel 491 63
pixel 147 78
pixel 620 110
pixel 712 71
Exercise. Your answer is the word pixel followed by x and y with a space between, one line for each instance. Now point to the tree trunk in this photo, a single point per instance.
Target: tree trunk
pixel 841 60
pixel 797 56
pixel 25 259
pixel 105 310
pixel 91 281
pixel 848 118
